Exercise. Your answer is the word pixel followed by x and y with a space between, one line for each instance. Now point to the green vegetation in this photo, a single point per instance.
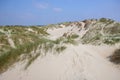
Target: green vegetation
pixel 31 59
pixel 66 23
pixel 103 31
pixel 12 56
pixel 71 39
pixel 112 39
pixel 26 40
pixel 74 36
pixel 60 49
pixel 103 20
pixel 30 43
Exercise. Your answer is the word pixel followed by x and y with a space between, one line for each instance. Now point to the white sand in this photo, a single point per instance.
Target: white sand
pixel 81 62
pixel 58 32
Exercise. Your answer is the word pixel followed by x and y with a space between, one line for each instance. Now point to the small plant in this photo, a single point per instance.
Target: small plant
pixel 103 20
pixel 115 58
pixel 74 36
pixel 60 49
pixel 59 40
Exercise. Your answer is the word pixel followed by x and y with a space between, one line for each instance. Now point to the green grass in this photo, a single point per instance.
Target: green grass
pixel 13 55
pixel 59 40
pixel 30 41
pixel 32 59
pixel 60 49
pixel 71 39
pixel 39 30
pixel 105 31
pixel 111 39
pixel 3 39
pixel 74 36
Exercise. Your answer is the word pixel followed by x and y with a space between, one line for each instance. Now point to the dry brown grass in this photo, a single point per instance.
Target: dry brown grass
pixel 115 58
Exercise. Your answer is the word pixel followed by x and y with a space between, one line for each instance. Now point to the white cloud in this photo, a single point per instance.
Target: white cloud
pixel 57 9
pixel 44 5
pixel 41 5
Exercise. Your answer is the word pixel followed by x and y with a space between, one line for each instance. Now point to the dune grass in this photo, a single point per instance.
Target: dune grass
pixel 71 39
pixel 29 42
pixel 31 60
pixel 13 55
pixel 60 49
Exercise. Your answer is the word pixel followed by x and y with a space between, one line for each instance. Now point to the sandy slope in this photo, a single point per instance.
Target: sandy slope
pixel 83 62
pixel 56 33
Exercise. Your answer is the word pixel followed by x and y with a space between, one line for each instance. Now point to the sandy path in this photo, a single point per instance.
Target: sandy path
pixel 83 62
pixel 56 33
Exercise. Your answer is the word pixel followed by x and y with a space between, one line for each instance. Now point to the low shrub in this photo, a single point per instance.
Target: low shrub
pixel 115 58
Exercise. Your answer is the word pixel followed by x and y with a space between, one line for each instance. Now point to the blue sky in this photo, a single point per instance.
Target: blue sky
pixel 40 12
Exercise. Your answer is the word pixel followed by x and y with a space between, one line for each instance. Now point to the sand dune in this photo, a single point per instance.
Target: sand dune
pixel 76 62
pixel 82 62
